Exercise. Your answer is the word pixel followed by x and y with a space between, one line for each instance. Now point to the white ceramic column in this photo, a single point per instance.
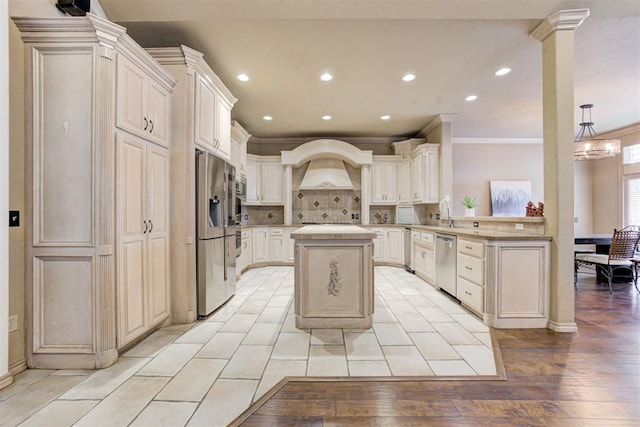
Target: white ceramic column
pixel 5 377
pixel 365 193
pixel 556 33
pixel 288 196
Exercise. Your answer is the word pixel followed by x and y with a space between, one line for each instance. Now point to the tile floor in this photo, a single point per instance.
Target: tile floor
pixel 210 372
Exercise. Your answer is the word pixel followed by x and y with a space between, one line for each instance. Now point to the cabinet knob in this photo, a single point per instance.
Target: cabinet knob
pixel 467 292
pixel 146 226
pixel 151 128
pixel 468 247
pixel 146 123
pixel 151 224
pixel 467 267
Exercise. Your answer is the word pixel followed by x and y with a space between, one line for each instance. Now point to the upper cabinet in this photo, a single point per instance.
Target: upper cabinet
pixel 142 103
pixel 404 181
pixel 239 138
pixel 212 118
pixel 264 180
pixel 425 174
pixel 384 180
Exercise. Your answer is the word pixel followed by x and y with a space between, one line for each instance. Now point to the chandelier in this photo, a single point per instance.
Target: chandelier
pixel 587 145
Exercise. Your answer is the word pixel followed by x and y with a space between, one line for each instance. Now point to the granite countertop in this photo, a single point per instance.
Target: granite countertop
pixel 332 232
pixel 480 233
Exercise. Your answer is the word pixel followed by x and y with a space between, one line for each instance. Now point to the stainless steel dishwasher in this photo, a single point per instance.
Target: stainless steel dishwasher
pixel 446 262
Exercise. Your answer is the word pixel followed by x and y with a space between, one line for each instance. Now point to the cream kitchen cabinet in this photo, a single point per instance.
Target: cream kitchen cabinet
pixel 277 245
pixel 194 101
pixel 260 245
pixel 384 180
pixel 423 256
pixel 425 174
pixel 393 247
pixel 470 271
pixel 142 188
pixel 239 138
pixel 142 103
pixel 244 260
pixel 264 180
pixel 404 182
pixel 378 244
pixel 78 99
pixel 212 118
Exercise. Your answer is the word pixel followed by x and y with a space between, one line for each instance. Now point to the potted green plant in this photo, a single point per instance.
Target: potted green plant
pixel 470 204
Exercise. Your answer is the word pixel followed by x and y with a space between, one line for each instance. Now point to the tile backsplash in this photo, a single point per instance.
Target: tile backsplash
pixel 262 215
pixel 330 206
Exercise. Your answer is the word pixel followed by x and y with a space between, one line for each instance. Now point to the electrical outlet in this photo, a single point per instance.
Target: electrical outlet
pixel 519 226
pixel 576 219
pixel 13 323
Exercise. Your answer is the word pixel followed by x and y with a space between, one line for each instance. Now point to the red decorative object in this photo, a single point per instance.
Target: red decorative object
pixel 532 210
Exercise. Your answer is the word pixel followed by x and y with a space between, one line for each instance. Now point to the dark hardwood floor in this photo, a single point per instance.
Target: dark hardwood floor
pixel 591 378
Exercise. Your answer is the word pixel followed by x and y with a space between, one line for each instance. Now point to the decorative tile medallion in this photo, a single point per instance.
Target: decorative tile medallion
pixel 344 211
pixel 300 215
pixel 357 199
pixel 337 199
pixel 316 203
pixel 270 215
pixel 300 195
pixel 324 216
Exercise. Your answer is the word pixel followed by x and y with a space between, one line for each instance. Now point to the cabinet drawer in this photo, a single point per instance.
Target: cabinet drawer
pixel 426 237
pixel 246 233
pixel 471 294
pixel 276 231
pixel 471 269
pixel 415 235
pixel 468 247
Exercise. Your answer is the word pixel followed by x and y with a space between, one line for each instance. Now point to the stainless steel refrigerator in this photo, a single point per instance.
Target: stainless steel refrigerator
pixel 216 229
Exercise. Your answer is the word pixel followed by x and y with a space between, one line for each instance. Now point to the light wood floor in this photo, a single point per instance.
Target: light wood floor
pixel 591 378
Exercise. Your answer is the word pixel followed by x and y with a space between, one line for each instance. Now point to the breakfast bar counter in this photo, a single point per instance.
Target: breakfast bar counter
pixel 334 286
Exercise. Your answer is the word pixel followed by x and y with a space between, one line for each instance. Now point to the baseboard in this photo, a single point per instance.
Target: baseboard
pixel 6 380
pixel 18 367
pixel 563 327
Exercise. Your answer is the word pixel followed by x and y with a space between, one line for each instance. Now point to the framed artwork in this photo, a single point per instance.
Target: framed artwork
pixel 510 198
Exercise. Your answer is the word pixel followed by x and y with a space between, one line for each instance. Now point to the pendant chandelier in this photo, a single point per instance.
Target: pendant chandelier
pixel 587 145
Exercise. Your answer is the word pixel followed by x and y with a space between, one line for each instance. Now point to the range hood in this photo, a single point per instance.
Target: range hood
pixel 326 174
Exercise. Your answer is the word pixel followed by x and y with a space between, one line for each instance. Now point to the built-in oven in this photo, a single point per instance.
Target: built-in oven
pixel 241 198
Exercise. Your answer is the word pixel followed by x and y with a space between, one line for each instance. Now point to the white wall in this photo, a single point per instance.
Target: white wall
pixel 583 197
pixel 475 164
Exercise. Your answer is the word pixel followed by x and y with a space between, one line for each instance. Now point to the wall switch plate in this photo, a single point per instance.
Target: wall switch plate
pixel 519 226
pixel 576 219
pixel 13 323
pixel 14 218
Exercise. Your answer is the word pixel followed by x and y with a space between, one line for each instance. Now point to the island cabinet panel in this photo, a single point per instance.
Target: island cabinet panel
pixel 87 81
pixel 518 274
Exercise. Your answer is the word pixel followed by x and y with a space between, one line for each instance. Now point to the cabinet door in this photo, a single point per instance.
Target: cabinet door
pixel 432 177
pixel 158 233
pixel 223 129
pixel 378 245
pixel 418 259
pixel 429 263
pixel 416 178
pixel 277 249
pixel 291 246
pixel 205 113
pixel 393 246
pixel 271 183
pixel 260 243
pixel 132 228
pixel 377 183
pixel 158 113
pixel 390 183
pixel 131 97
pixel 404 181
pixel 254 182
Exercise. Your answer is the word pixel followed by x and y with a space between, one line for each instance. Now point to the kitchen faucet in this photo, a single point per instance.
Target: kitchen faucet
pixel 449 221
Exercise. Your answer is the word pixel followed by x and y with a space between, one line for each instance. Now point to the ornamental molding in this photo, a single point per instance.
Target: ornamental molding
pixel 560 21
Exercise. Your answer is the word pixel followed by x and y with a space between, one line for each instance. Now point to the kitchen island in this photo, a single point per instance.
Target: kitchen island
pixel 334 286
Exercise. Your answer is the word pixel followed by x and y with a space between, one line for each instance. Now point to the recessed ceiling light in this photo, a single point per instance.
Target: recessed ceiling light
pixel 326 77
pixel 243 77
pixel 385 117
pixel 267 118
pixel 503 71
pixel 408 77
pixel 471 98
pixel 326 117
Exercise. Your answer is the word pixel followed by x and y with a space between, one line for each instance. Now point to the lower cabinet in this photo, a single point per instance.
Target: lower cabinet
pixel 393 247
pixel 260 245
pixel 378 245
pixel 423 256
pixel 277 245
pixel 142 188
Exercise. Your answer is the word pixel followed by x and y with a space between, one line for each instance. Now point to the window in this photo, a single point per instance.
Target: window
pixel 631 171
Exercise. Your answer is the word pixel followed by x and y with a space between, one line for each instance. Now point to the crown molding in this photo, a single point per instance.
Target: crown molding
pixel 349 139
pixel 467 140
pixel 437 121
pixel 559 21
pixel 238 133
pixel 618 133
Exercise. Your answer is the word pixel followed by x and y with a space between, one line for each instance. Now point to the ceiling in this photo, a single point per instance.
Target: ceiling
pixel 452 46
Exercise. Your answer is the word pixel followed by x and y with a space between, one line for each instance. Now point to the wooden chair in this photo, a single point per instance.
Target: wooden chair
pixel 621 252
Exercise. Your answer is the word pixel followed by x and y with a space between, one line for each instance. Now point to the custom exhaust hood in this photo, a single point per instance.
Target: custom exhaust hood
pixel 326 174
